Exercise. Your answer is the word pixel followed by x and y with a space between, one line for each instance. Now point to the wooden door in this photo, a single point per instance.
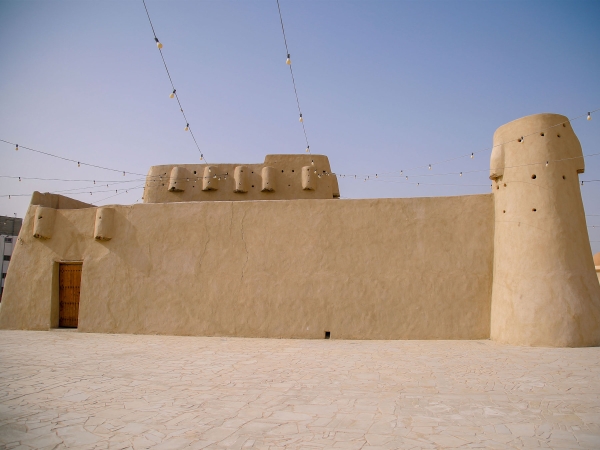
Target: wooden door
pixel 69 281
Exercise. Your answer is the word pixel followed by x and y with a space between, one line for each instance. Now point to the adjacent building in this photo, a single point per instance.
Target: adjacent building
pixel 9 230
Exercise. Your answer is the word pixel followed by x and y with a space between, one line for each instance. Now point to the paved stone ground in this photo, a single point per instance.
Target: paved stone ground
pixel 67 389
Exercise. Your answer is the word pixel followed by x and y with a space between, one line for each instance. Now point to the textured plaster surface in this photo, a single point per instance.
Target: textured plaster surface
pixel 191 181
pixel 360 269
pixel 545 288
pixel 88 391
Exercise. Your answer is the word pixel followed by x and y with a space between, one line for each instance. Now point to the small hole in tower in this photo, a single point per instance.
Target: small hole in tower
pixel 497 187
pixel 504 211
pixel 504 184
pixel 292 170
pixel 564 178
pixel 327 335
pixel 564 125
pixel 534 210
pixel 558 135
pixel 519 140
pixel 252 185
pixel 194 172
pixel 533 177
pixel 542 133
pixel 282 171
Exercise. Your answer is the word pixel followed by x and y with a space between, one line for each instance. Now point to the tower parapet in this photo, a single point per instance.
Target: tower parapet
pixel 280 177
pixel 545 291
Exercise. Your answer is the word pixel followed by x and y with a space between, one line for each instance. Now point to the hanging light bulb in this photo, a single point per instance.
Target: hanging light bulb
pixel 546 163
pixel 401 172
pixel 472 155
pixel 307 148
pixel 158 44
pixel 288 61
pixel 522 139
pixel 172 94
pixel 19 178
pixel 589 117
pixel 429 166
pixel 461 174
pixel 407 177
pixel 581 184
pixel 301 119
pixel 78 164
pixel 123 173
pixel 94 181
pixel 201 157
pixel 17 147
pixel 312 162
pixel 417 184
pixel 187 127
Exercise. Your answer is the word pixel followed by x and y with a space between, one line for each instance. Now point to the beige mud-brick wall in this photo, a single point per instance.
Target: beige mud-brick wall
pixel 545 289
pixel 282 180
pixel 362 269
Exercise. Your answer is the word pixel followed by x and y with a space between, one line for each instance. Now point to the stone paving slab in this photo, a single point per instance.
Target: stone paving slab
pixel 97 391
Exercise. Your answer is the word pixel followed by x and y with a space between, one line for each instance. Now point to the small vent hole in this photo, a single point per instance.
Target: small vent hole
pixel 534 210
pixel 534 176
pixel 558 135
pixel 564 178
pixel 327 335
pixel 194 172
pixel 503 211
pixel 542 134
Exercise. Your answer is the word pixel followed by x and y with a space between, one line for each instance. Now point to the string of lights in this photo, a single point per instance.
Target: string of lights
pixel 368 176
pixel 125 190
pixel 68 180
pixel 174 93
pixel 288 61
pixel 489 149
pixel 79 163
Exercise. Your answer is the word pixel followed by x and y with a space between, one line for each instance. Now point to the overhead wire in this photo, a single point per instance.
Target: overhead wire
pixel 174 93
pixel 289 63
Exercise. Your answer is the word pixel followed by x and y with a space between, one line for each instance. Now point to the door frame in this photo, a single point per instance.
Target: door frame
pixel 55 294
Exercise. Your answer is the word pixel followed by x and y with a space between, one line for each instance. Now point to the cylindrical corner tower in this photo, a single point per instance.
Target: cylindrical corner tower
pixel 545 291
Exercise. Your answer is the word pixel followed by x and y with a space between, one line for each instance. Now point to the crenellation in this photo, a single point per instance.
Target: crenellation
pixel 278 178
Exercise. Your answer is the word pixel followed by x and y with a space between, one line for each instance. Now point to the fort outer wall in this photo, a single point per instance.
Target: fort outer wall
pixel 514 265
pixel 361 269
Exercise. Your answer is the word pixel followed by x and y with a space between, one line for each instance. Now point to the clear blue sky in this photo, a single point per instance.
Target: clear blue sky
pixel 383 86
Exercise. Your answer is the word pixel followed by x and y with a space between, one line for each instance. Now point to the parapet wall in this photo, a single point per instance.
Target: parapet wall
pixel 280 177
pixel 361 269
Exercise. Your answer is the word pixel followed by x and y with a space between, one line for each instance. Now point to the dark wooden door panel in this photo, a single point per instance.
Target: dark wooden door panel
pixel 69 280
